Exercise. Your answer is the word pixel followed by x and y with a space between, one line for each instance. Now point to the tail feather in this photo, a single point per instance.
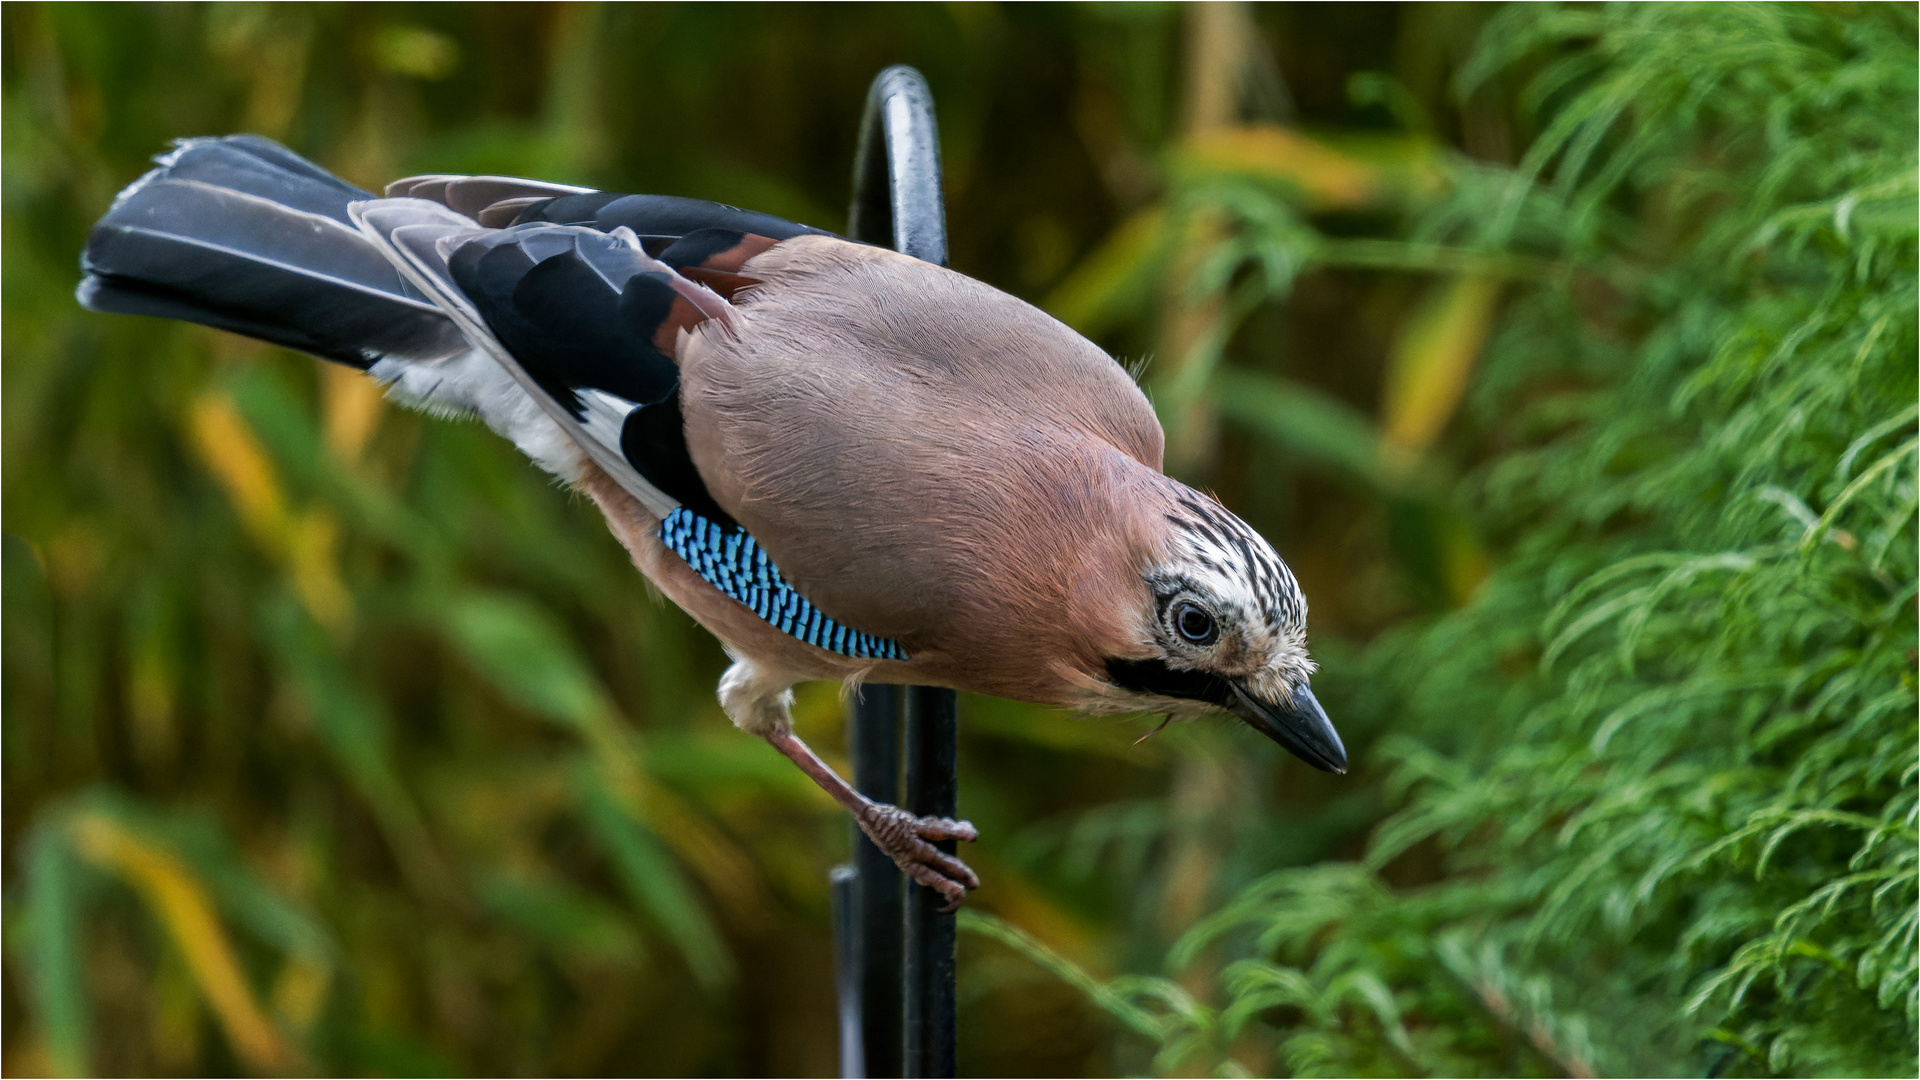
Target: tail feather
pixel 242 235
pixel 470 195
pixel 261 167
pixel 559 332
pixel 124 297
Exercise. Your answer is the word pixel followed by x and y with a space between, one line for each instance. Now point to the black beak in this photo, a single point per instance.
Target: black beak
pixel 1300 725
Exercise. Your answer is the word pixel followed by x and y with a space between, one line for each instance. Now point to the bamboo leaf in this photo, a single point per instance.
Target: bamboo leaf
pixel 54 907
pixel 1309 423
pixel 1117 277
pixel 1433 360
pixel 181 903
pixel 1325 177
pixel 653 881
pixel 524 652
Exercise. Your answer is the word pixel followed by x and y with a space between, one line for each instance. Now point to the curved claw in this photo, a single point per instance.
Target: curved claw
pixel 908 840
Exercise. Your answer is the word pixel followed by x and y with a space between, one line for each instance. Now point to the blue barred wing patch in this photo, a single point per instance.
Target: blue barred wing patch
pixel 734 563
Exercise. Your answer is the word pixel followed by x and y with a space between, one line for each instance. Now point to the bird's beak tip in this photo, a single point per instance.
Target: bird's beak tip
pixel 1300 725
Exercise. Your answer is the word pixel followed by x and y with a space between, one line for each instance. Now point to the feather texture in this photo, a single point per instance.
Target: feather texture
pixel 417 236
pixel 736 564
pixel 659 220
pixel 591 320
pixel 240 235
pixel 470 195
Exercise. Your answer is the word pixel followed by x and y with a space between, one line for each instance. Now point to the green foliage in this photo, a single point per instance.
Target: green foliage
pixel 1656 782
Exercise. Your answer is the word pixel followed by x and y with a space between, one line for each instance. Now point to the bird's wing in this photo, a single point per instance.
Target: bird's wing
pixel 707 242
pixel 585 321
pixel 570 290
pixel 563 287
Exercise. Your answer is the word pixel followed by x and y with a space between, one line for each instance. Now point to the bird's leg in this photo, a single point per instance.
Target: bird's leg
pixel 757 697
pixel 907 840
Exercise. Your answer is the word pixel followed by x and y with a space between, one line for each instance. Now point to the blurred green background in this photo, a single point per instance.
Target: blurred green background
pixel 1566 353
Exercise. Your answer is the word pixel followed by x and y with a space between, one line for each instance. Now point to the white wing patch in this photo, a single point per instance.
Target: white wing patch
pixel 606 414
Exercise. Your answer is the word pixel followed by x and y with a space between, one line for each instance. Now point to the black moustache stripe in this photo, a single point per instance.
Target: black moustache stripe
pixel 1155 677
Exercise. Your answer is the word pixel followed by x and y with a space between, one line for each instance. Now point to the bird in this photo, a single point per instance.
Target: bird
pixel 844 462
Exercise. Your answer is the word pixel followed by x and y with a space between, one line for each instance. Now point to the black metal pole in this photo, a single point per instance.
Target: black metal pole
pixel 873 738
pixel 897 201
pixel 903 952
pixel 842 883
pixel 931 788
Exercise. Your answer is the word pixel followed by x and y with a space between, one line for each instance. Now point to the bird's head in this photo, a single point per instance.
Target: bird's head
pixel 1220 625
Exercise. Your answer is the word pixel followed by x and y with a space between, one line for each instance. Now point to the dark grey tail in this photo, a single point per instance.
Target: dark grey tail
pixel 242 234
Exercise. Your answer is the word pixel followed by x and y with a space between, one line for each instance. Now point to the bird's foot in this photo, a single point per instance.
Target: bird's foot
pixel 909 840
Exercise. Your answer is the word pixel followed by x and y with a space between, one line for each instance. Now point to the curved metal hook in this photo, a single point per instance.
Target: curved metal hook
pixel 897 199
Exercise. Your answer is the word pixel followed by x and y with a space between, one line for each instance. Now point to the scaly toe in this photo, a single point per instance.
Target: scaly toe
pixel 946 828
pixel 949 867
pixel 908 840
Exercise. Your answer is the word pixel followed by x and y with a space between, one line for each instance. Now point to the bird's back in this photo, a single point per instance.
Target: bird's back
pixel 900 437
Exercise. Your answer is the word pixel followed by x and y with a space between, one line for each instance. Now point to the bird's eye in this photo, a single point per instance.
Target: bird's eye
pixel 1194 623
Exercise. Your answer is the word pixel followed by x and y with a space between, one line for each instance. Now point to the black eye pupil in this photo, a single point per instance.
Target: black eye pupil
pixel 1195 625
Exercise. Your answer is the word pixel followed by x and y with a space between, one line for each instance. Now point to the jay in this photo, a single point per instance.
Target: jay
pixel 844 462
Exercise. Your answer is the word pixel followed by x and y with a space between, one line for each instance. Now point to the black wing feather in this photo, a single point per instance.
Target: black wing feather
pixel 580 310
pixel 585 338
pixel 659 220
pixel 654 439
